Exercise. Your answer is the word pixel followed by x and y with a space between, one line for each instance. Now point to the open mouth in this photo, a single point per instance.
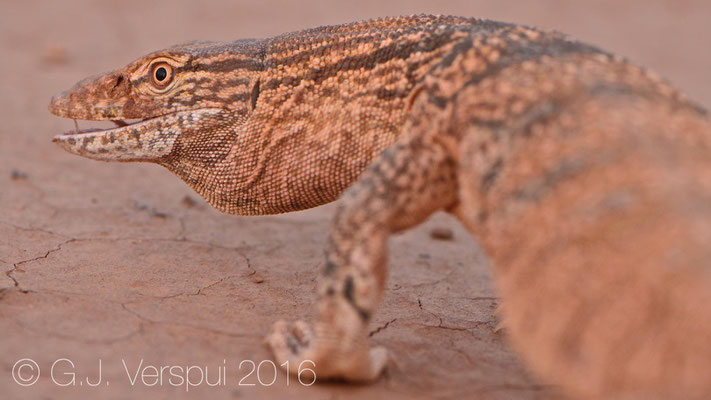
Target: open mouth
pixel 121 139
pixel 118 123
pixel 144 139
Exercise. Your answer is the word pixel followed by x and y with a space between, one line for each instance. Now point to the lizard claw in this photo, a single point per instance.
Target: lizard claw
pixel 289 341
pixel 297 343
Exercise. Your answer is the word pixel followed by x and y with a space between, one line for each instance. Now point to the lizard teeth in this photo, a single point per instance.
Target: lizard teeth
pixel 120 123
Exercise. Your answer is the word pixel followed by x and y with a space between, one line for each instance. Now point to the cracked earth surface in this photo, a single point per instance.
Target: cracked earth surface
pixel 123 265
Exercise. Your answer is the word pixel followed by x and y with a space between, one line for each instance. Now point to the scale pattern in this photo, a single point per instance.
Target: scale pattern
pixel 586 178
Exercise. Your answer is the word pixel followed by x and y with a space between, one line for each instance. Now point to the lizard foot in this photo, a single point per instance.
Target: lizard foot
pixel 330 356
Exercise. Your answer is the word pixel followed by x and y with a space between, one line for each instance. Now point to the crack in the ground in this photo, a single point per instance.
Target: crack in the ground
pixel 50 251
pixel 181 233
pixel 441 325
pixel 253 274
pixel 69 296
pixel 196 327
pixel 380 328
pixel 238 250
pixel 435 282
pixel 199 291
pixel 10 272
pixel 56 335
pixel 32 229
pixel 15 266
pixel 465 355
pixel 40 198
pixel 15 283
pixel 141 318
pixel 479 298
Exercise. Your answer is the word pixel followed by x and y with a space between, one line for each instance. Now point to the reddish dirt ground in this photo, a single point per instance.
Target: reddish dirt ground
pixel 123 266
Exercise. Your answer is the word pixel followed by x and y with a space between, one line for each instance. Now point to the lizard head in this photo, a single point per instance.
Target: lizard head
pixel 168 93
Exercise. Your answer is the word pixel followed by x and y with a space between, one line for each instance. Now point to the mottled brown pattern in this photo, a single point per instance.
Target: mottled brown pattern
pixel 586 178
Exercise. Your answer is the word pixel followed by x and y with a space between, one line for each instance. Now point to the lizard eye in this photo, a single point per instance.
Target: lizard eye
pixel 162 74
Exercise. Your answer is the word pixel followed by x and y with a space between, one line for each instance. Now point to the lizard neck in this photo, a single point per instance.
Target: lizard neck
pixel 327 102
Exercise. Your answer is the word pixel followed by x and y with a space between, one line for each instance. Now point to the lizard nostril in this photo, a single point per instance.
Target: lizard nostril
pixel 119 80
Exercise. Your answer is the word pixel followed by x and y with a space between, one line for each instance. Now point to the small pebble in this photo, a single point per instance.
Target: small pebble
pixel 17 175
pixel 442 234
pixel 151 211
pixel 158 214
pixel 189 202
pixel 257 278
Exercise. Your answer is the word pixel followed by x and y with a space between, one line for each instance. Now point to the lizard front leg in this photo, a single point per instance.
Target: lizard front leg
pixel 407 182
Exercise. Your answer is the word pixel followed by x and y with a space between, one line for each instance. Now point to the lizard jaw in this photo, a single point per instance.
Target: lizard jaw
pixel 145 140
pixel 120 123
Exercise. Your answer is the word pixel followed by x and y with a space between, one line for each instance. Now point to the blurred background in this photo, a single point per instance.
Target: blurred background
pixel 108 261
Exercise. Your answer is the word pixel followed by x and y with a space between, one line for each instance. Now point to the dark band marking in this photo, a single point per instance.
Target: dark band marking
pixel 329 268
pixel 516 52
pixel 491 174
pixel 348 288
pixel 564 170
pixel 368 61
pixel 255 94
pixel 232 64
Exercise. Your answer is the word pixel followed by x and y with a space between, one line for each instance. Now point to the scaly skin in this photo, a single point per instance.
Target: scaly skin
pixel 587 179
